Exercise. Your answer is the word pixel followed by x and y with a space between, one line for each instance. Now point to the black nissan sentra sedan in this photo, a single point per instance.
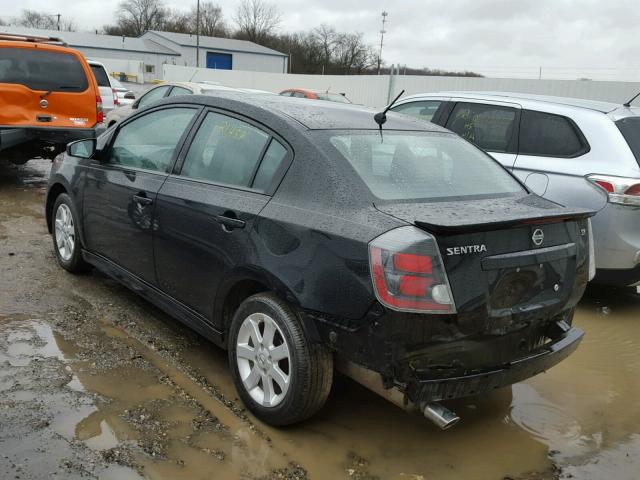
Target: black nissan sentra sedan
pixel 302 237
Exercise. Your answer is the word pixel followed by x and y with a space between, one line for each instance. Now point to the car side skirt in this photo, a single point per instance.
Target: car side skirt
pixel 158 298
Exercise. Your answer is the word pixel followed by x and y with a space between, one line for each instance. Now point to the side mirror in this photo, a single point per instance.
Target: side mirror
pixel 82 148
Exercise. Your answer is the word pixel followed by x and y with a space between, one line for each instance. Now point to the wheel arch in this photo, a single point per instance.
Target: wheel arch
pixel 247 281
pixel 54 192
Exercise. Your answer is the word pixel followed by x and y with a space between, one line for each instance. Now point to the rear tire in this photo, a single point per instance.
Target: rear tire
pixel 64 232
pixel 280 375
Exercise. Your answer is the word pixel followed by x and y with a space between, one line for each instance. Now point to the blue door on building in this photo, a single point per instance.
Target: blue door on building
pixel 220 61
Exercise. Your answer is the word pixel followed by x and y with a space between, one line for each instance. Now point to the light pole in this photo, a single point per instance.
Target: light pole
pixel 198 34
pixel 382 32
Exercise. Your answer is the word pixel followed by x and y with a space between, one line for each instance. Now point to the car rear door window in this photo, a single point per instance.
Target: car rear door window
pixel 42 70
pixel 149 142
pixel 630 129
pixel 547 135
pixel 101 75
pixel 225 151
pixel 179 91
pixel 153 96
pixel 490 127
pixel 271 162
pixel 423 109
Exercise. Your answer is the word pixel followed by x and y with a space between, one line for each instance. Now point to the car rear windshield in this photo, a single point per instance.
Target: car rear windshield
pixel 630 128
pixel 42 70
pixel 423 165
pixel 332 97
pixel 101 75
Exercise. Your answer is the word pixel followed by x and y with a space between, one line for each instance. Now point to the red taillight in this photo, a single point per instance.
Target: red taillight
pixel 116 101
pixel 608 187
pixel 620 190
pixel 407 262
pixel 412 286
pixel 99 111
pixel 408 273
pixel 633 190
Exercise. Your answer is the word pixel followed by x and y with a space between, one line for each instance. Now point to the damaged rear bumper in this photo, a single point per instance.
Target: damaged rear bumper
pixel 422 389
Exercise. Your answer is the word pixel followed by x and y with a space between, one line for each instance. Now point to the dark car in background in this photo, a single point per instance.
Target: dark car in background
pixel 300 237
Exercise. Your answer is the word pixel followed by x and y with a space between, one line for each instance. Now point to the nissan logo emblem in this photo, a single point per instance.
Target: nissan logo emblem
pixel 44 103
pixel 537 237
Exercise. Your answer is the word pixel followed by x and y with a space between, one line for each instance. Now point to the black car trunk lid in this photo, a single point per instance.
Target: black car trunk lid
pixel 506 258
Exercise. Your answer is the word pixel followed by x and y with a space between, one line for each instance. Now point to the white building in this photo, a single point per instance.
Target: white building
pixel 221 53
pixel 141 59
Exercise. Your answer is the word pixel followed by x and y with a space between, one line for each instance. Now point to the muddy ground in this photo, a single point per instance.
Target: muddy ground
pixel 97 383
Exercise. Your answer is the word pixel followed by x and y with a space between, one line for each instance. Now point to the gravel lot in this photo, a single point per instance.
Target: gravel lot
pixel 97 383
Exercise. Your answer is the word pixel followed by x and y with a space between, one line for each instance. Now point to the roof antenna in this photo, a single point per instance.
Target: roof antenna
pixel 628 104
pixel 381 117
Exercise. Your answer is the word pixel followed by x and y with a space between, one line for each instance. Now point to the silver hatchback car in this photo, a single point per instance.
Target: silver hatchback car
pixel 573 152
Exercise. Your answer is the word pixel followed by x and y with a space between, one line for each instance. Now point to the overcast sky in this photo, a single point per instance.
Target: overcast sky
pixel 596 39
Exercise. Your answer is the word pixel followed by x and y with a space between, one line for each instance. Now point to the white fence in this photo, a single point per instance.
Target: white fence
pixel 377 90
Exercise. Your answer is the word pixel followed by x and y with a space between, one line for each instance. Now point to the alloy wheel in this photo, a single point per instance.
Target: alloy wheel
pixel 65 232
pixel 264 360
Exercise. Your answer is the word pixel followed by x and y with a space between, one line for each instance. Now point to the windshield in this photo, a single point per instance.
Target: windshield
pixel 42 70
pixel 332 97
pixel 630 128
pixel 422 165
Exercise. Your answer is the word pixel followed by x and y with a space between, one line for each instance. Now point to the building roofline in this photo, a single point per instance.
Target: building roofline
pixel 148 52
pixel 272 53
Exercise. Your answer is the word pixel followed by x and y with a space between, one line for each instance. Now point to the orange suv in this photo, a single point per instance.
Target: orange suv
pixel 48 97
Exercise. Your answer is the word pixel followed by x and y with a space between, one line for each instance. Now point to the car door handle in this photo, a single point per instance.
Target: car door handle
pixel 229 222
pixel 142 199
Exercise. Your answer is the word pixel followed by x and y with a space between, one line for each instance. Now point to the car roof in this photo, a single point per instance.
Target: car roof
pixel 604 107
pixel 94 62
pixel 311 115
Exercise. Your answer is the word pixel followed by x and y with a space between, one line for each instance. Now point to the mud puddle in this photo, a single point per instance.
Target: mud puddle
pixel 97 383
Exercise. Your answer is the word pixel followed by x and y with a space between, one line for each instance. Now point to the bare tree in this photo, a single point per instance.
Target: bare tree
pixel 138 16
pixel 178 22
pixel 325 38
pixel 257 20
pixel 45 21
pixel 352 54
pixel 211 20
pixel 34 19
pixel 68 25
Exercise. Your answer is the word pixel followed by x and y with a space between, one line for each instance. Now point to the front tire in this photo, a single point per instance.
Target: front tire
pixel 280 375
pixel 66 241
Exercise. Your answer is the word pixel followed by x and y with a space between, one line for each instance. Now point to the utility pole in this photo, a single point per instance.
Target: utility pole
pixel 198 34
pixel 58 15
pixel 382 32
